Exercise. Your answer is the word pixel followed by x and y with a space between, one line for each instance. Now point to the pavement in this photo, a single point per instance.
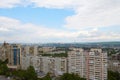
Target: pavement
pixel 4 78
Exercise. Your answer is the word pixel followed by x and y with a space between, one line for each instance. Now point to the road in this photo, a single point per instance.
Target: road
pixel 3 78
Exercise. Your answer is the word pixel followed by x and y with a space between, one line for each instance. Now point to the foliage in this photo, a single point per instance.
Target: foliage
pixel 19 74
pixel 111 51
pixel 3 68
pixel 67 76
pixel 31 74
pixel 47 77
pixel 28 74
pixel 113 75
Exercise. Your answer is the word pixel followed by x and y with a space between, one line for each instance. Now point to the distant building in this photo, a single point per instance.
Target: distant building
pixel 114 65
pixel 31 50
pixel 4 51
pixel 44 50
pixel 114 62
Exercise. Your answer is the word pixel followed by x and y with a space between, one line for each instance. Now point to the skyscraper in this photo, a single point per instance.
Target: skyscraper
pixel 15 56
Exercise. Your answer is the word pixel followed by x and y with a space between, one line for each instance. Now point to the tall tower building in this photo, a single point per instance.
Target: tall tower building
pixel 96 65
pixel 15 56
pixel 76 61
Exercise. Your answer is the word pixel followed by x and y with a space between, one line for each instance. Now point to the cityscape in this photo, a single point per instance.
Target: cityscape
pixel 89 63
pixel 60 40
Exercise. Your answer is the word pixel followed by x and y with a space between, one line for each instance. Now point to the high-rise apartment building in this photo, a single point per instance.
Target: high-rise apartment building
pixel 90 64
pixel 96 65
pixel 76 61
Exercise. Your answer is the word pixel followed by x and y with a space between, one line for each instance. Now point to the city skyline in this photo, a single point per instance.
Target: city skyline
pixel 59 21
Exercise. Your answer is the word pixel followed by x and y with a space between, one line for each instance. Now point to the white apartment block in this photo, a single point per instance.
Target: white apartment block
pixel 96 65
pixel 44 64
pixel 32 50
pixel 25 62
pixel 76 61
pixel 30 60
pixel 60 65
pixel 56 66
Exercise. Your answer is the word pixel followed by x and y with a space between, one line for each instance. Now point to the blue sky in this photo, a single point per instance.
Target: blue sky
pixel 40 16
pixel 47 21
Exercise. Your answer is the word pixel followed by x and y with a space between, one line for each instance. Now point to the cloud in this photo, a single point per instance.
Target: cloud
pixel 58 4
pixel 93 14
pixel 2 29
pixel 27 32
pixel 9 3
pixel 13 30
pixel 89 17
pixel 88 13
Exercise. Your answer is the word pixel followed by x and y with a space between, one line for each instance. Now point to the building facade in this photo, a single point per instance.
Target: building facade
pixel 96 65
pixel 14 60
pixel 76 62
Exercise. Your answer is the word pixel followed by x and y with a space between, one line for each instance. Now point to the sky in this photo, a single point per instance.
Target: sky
pixel 59 21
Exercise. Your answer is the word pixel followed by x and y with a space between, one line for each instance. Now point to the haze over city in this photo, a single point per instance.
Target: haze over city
pixel 32 21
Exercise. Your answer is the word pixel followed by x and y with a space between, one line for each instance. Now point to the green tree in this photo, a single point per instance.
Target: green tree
pixel 47 77
pixel 28 74
pixel 3 68
pixel 67 76
pixel 113 75
pixel 21 74
pixel 31 74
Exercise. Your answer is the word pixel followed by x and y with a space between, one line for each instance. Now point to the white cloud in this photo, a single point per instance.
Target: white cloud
pixel 97 13
pixel 2 29
pixel 9 3
pixel 59 4
pixel 89 16
pixel 18 31
pixel 27 32
pixel 88 13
